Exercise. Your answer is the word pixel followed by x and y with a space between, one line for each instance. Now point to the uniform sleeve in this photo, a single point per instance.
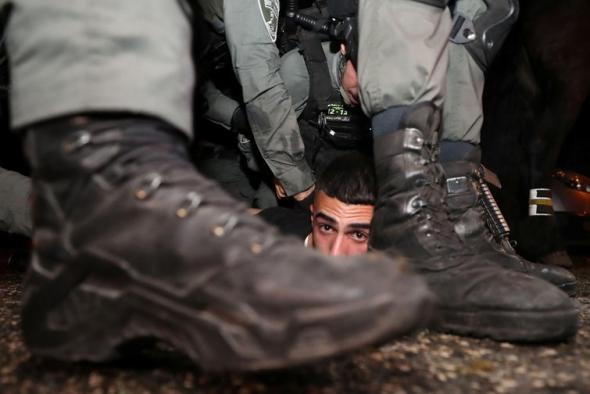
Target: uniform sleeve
pixel 220 108
pixel 251 31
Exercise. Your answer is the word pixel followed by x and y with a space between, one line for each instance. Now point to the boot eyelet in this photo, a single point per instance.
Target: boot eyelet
pixel 221 230
pixel 256 248
pixel 150 184
pixel 191 202
pixel 218 231
pixel 417 203
pixel 77 141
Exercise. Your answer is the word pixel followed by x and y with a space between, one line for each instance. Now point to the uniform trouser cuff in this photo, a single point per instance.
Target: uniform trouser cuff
pixel 388 120
pixel 459 150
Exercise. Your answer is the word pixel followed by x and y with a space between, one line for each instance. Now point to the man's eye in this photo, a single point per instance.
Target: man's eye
pixel 360 236
pixel 326 228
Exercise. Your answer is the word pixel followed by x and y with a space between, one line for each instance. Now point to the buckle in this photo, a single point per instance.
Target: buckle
pixel 463 30
pixel 413 139
pixel 458 184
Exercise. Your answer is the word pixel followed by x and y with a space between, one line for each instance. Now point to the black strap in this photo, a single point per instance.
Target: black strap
pixel 321 92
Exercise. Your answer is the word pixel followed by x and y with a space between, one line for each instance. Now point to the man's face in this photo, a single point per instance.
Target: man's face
pixel 349 82
pixel 339 229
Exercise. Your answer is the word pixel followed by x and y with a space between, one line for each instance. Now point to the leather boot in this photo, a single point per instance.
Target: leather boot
pixel 476 296
pixel 467 215
pixel 130 241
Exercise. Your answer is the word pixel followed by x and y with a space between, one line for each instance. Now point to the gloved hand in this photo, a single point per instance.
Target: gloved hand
pixel 240 124
pixel 248 149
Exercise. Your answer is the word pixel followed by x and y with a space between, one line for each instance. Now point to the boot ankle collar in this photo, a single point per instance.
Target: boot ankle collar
pixel 403 140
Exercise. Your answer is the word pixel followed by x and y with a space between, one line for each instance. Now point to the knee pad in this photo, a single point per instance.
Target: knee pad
pixel 484 36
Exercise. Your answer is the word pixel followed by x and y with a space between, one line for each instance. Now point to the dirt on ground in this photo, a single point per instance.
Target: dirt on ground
pixel 425 362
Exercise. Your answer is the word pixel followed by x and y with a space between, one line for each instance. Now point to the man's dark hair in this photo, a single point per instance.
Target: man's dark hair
pixel 350 178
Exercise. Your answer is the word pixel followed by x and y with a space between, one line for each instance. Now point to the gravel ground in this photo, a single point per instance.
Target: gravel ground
pixel 423 363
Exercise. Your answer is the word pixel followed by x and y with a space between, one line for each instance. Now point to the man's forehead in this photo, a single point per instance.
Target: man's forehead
pixel 340 212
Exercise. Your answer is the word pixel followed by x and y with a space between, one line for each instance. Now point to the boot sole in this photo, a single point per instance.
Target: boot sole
pixel 513 326
pixel 569 288
pixel 217 340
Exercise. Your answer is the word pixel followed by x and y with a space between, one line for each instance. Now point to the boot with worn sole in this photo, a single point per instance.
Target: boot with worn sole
pixel 131 242
pixel 476 296
pixel 467 215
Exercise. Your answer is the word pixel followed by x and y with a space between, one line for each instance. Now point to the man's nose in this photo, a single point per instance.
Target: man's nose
pixel 338 247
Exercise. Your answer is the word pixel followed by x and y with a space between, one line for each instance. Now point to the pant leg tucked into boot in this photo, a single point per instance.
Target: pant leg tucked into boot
pixel 476 296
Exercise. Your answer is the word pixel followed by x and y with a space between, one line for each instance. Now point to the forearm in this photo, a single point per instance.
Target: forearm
pixel 270 110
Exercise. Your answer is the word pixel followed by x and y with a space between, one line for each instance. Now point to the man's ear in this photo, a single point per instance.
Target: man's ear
pixel 342 48
pixel 311 211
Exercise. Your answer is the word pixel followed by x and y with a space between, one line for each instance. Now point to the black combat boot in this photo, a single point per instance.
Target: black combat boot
pixel 130 241
pixel 467 212
pixel 476 296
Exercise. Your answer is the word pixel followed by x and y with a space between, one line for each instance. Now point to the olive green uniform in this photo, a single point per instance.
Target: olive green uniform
pixel 454 73
pixel 413 61
pixel 250 27
pixel 91 57
pixel 101 56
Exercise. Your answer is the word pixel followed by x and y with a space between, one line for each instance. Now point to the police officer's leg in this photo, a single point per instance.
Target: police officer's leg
pixel 402 66
pixel 479 30
pixel 461 153
pixel 130 241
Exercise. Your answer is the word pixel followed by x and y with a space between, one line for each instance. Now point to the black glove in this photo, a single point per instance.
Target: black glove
pixel 240 124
